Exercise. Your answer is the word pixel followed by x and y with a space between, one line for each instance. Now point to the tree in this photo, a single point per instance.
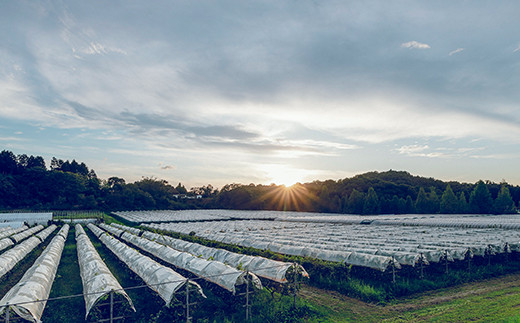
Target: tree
pixel 421 203
pixel 504 204
pixel 433 201
pixel 181 189
pixel 371 205
pixel 355 202
pixel 480 200
pixel 8 162
pixel 409 207
pixel 449 202
pixel 463 203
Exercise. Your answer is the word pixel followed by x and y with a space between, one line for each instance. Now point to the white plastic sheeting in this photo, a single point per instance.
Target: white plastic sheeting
pixel 159 278
pixel 97 279
pixel 408 245
pixel 30 218
pixel 260 266
pixel 35 286
pixel 42 235
pixel 113 230
pixel 5 242
pixel 502 221
pixel 169 216
pixel 27 233
pixel 213 271
pixel 128 229
pixel 9 231
pixel 12 256
pixel 205 215
pixel 10 225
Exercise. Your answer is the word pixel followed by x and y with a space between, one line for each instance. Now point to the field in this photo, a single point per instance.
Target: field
pixel 493 300
pixel 481 288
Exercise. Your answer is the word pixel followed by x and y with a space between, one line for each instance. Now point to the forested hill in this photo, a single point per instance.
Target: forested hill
pixel 27 183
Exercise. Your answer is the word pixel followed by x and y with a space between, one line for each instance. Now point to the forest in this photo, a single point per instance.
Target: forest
pixel 26 183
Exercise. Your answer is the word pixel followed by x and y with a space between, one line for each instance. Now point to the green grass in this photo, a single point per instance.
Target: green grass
pixel 489 307
pixel 67 282
pixel 493 300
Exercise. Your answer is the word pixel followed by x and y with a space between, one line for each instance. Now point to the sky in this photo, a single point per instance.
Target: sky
pixel 218 92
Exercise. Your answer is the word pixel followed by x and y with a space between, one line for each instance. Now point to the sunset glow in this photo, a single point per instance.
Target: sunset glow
pixel 263 92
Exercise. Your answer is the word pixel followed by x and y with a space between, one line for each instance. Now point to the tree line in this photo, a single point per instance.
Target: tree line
pixel 27 183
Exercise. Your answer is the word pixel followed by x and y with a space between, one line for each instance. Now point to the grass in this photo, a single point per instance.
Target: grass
pixel 493 300
pixel 67 282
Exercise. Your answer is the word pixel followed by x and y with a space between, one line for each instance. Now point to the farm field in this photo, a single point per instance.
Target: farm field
pixel 493 300
pixel 469 271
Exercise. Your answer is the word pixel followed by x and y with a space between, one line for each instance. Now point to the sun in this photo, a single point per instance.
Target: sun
pixel 283 175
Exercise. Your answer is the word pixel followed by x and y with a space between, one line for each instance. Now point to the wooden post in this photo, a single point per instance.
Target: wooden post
pixel 393 270
pixel 247 295
pixel 111 306
pixel 422 266
pixel 188 301
pixel 446 259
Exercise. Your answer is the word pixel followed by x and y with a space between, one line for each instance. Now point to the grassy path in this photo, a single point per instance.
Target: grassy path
pixel 493 300
pixel 67 282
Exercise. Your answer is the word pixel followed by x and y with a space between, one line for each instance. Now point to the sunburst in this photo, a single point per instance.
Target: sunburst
pixel 288 198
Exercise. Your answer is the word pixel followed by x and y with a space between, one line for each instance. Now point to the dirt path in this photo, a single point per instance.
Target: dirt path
pixel 346 309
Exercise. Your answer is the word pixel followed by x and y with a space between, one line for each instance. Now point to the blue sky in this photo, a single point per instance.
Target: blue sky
pixel 204 92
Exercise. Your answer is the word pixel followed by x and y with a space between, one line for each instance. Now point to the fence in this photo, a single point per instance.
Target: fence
pixel 185 295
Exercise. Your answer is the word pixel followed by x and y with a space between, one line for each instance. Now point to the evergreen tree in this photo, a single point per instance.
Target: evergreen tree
pixel 356 201
pixel 409 205
pixel 433 201
pixel 449 202
pixel 504 204
pixel 371 205
pixel 463 203
pixel 421 203
pixel 480 200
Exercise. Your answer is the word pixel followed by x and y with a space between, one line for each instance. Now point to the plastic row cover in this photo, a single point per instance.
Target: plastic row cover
pixel 10 231
pixel 97 279
pixel 31 218
pixel 161 279
pixel 260 266
pixel 170 216
pixel 12 256
pixel 42 235
pixel 36 283
pixel 210 270
pixel 113 230
pixel 128 229
pixel 335 253
pixel 5 242
pixel 24 234
pixel 373 261
pixel 407 245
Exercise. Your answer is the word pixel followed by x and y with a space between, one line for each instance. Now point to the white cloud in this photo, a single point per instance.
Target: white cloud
pixel 415 45
pixel 97 48
pixel 12 139
pixel 168 167
pixel 412 150
pixel 453 52
pixel 517 49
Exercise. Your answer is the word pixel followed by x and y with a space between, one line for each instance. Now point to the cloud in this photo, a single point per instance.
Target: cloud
pixel 12 139
pixel 438 152
pixel 412 150
pixel 415 45
pixel 168 167
pixel 453 52
pixel 516 49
